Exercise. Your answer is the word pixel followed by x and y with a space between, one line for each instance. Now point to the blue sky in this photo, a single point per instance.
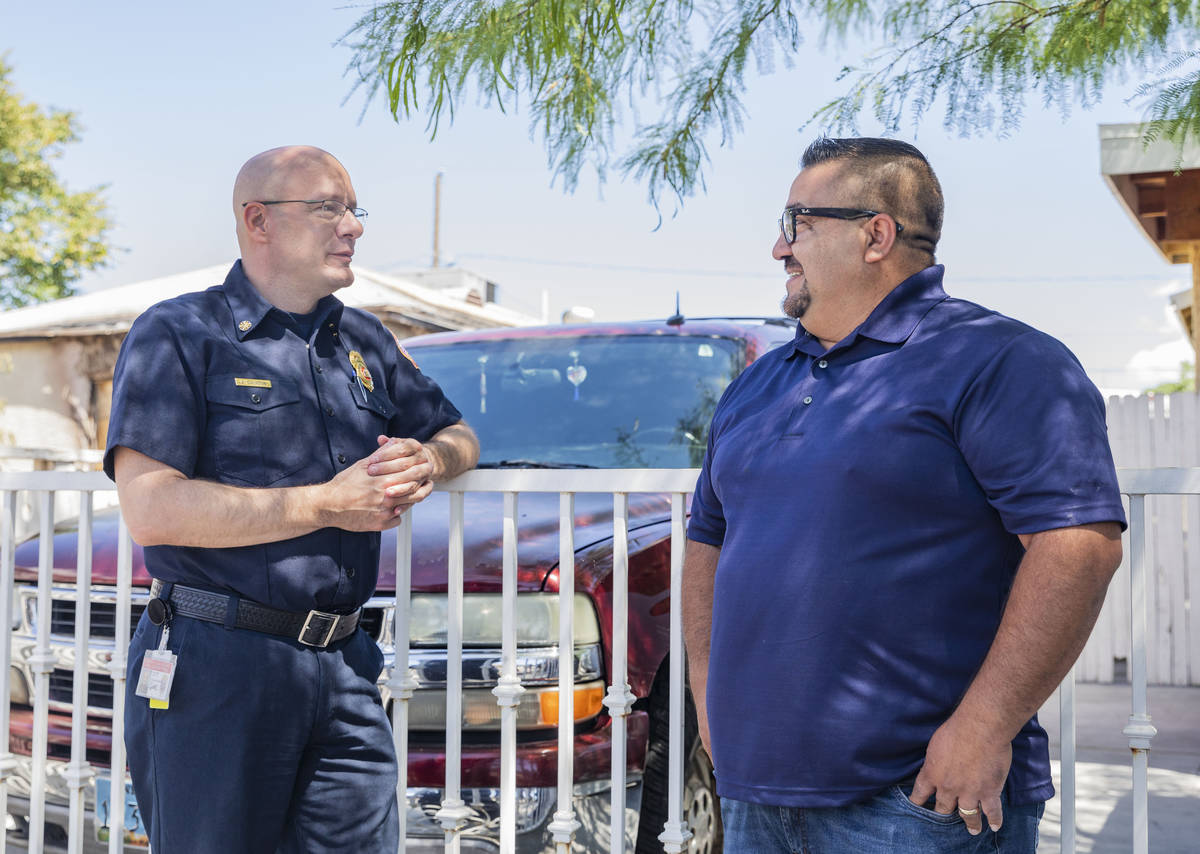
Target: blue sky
pixel 173 98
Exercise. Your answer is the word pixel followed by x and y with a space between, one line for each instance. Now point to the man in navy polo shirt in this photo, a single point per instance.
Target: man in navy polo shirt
pixel 902 534
pixel 262 435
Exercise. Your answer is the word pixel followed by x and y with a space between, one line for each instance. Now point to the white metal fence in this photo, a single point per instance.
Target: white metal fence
pixel 70 787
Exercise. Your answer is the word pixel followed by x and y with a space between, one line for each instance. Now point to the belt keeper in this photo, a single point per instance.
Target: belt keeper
pixel 231 611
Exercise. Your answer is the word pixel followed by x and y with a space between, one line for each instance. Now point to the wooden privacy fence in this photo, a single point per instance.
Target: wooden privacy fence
pixel 1155 431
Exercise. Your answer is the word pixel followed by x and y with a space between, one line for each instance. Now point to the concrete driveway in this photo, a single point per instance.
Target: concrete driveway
pixel 1104 781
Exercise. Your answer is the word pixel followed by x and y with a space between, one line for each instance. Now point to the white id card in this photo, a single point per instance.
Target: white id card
pixel 154 682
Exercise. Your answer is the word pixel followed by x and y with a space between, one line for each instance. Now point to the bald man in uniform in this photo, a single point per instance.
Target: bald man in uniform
pixel 262 435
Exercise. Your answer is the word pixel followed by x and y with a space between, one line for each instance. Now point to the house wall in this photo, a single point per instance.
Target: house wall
pixel 404 330
pixel 45 397
pixel 50 391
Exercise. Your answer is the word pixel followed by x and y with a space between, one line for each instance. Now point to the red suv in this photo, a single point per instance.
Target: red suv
pixel 627 395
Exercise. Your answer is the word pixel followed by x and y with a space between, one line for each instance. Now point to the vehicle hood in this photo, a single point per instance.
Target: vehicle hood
pixel 537 541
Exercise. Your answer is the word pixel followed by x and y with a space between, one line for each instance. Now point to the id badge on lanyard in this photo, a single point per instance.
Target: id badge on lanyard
pixel 158 672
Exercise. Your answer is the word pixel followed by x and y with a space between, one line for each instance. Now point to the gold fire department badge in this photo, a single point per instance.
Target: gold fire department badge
pixel 360 368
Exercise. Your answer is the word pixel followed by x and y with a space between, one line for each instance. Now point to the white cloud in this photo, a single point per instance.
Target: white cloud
pixel 1172 324
pixel 1173 286
pixel 1157 364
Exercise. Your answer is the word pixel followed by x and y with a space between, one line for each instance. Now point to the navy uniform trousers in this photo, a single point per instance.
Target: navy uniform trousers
pixel 267 745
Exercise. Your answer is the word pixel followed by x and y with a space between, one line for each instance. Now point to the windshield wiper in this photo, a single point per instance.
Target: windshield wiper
pixel 531 464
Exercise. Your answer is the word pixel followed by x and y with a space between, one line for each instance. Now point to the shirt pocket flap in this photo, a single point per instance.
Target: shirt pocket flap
pixel 251 392
pixel 375 401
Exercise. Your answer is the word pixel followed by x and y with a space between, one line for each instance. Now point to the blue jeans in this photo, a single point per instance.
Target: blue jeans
pixel 888 823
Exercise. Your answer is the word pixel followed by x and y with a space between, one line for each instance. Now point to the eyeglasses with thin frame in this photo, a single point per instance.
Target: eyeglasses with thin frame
pixel 787 222
pixel 331 208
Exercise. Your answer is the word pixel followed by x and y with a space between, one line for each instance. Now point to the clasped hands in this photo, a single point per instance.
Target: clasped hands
pixel 373 493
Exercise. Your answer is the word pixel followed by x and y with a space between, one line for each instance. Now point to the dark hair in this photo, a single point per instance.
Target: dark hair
pixel 889 176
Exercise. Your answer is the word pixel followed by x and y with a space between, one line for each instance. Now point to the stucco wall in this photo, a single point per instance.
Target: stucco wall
pixel 45 395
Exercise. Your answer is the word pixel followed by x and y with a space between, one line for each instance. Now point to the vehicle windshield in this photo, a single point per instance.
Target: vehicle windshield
pixel 629 401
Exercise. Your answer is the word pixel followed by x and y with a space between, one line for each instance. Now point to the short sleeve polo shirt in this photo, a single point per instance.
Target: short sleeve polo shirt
pixel 867 501
pixel 220 385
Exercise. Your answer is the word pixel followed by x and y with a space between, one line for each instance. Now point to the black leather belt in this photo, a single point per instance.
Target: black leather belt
pixel 315 628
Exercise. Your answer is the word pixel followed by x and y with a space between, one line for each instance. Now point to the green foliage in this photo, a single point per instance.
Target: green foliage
pixel 48 236
pixel 984 57
pixel 581 64
pixel 1186 381
pixel 1175 99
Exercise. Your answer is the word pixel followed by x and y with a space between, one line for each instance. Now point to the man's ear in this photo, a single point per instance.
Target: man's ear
pixel 254 220
pixel 881 238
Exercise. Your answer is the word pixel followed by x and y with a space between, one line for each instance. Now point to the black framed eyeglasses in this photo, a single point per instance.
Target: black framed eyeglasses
pixel 787 222
pixel 330 208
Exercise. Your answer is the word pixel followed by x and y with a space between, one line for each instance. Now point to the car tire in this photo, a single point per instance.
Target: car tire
pixel 701 806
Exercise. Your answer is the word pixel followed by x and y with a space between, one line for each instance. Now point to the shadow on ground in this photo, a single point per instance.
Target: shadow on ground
pixel 1104 772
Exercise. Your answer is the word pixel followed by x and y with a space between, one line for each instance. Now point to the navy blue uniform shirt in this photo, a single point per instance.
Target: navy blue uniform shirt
pixel 867 502
pixel 219 385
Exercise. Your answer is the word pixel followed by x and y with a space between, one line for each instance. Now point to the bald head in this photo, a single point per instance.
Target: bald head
pixel 277 173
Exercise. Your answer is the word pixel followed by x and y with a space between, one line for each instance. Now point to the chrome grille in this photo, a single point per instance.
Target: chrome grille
pixel 102 622
pixel 371 621
pixel 100 689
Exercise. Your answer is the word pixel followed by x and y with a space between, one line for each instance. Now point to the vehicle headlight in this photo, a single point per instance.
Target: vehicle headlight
pixel 536 663
pixel 18 688
pixel 482 667
pixel 536 619
pixel 537 708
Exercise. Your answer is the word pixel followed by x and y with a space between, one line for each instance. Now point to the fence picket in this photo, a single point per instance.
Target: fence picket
pixel 1189 411
pixel 1160 431
pixel 1120 433
pixel 1167 547
pixel 8 527
pixel 42 663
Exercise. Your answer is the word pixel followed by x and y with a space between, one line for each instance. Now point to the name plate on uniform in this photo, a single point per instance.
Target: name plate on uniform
pixel 251 383
pixel 132 825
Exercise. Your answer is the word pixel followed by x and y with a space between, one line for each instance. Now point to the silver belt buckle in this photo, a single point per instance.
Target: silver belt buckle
pixel 317 627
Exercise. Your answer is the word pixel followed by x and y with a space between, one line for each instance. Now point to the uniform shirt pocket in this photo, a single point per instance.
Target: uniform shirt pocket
pixel 376 401
pixel 251 428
